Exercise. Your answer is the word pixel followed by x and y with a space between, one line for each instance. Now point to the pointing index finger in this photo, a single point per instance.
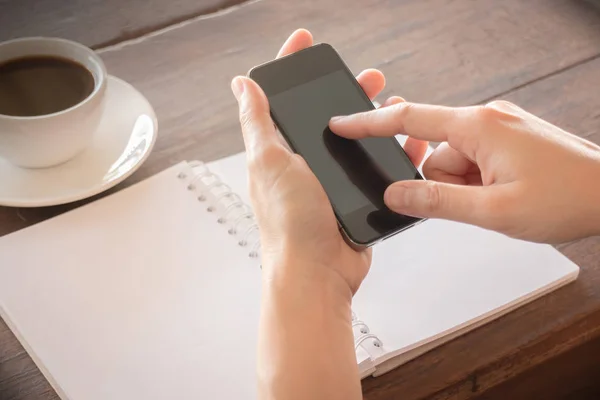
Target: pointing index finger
pixel 420 121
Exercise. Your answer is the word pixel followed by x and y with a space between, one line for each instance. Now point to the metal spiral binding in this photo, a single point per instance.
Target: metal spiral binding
pixel 365 335
pixel 230 208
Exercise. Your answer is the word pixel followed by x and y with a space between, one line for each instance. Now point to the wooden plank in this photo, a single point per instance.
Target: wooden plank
pixel 98 23
pixel 573 375
pixel 440 51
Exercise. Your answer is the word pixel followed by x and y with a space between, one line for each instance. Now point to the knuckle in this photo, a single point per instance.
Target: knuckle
pixel 499 111
pixel 365 121
pixel 365 116
pixel 393 100
pixel 500 105
pixel 489 114
pixel 434 197
pixel 399 113
pixel 401 109
pixel 246 118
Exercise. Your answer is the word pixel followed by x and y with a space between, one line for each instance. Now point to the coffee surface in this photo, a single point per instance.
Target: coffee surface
pixel 41 85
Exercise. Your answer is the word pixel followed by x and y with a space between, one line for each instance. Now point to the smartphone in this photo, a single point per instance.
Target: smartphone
pixel 305 90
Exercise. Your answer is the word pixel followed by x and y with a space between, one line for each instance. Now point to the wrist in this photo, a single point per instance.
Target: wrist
pixel 299 278
pixel 305 310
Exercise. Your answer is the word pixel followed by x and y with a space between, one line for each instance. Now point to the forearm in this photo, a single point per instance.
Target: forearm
pixel 306 345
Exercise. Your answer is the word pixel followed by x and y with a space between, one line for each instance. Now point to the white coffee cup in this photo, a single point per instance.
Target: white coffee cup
pixel 47 140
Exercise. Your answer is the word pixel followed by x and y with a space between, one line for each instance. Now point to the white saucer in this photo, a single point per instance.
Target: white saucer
pixel 126 135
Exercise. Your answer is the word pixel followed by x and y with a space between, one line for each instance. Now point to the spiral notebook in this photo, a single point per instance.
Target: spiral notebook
pixel 153 292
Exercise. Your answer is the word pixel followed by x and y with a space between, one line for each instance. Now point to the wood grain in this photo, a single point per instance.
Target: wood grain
pixel 97 23
pixel 541 54
pixel 438 51
pixel 571 376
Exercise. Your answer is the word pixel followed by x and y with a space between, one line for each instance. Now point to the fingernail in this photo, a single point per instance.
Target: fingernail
pixel 337 118
pixel 237 87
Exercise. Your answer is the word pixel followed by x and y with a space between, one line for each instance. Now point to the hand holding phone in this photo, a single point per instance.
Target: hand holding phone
pixel 295 218
pixel 305 90
pixel 309 272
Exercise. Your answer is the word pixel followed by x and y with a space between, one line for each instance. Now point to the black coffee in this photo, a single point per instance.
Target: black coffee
pixel 40 85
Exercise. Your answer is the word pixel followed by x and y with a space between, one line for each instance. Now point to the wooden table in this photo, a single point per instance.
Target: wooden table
pixel 541 54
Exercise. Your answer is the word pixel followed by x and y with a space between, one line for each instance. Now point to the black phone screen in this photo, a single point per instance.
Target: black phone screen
pixel 354 173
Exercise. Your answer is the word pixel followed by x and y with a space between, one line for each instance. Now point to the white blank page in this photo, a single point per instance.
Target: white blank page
pixel 440 276
pixel 140 295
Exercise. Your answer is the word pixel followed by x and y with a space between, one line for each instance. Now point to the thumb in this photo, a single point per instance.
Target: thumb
pixel 257 126
pixel 430 199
